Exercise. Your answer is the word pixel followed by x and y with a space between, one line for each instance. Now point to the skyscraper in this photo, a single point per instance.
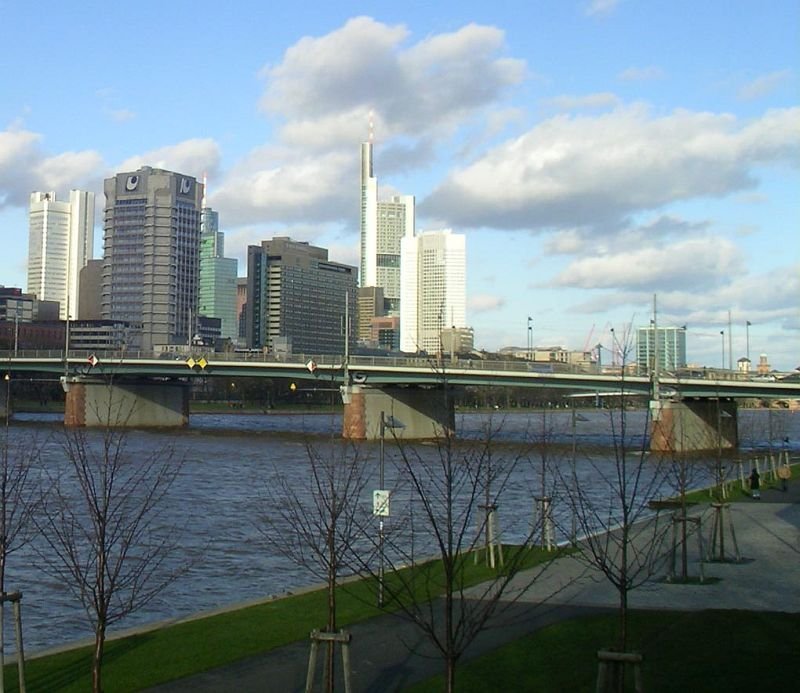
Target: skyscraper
pixel 152 253
pixel 60 243
pixel 297 299
pixel 433 289
pixel 217 292
pixel 383 225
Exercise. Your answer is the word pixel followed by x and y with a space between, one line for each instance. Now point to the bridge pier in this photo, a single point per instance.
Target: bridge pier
pixel 694 425
pixel 411 413
pixel 126 404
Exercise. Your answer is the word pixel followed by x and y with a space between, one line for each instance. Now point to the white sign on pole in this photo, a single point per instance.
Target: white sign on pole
pixel 380 503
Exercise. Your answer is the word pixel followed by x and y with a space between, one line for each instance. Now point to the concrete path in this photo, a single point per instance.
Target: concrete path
pixel 388 653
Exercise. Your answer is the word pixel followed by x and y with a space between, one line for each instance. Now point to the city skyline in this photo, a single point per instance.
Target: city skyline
pixel 594 153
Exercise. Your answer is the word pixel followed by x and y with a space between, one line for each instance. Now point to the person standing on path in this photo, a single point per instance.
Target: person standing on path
pixel 755 484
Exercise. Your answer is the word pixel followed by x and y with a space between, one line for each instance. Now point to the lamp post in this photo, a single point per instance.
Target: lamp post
pixel 747 341
pixel 530 338
pixel 722 336
pixel 380 497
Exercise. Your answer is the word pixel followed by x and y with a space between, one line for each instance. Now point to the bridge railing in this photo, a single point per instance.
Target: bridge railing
pixel 355 361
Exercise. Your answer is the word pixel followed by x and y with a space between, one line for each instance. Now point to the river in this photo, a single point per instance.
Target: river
pixel 230 461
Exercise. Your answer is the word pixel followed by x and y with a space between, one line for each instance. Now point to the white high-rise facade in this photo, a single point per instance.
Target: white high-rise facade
pixel 383 225
pixel 433 292
pixel 60 243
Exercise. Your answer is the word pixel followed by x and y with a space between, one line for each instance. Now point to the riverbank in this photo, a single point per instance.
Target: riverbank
pixel 266 648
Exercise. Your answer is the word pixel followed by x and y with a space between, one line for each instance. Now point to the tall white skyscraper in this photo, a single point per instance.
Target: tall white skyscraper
pixel 383 225
pixel 433 292
pixel 60 243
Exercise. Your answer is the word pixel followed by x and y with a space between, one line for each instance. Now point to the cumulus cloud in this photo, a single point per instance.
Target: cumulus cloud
pixel 274 186
pixel 25 167
pixel 325 91
pixel 763 85
pixel 696 263
pixel 193 157
pixel 641 74
pixel 331 83
pixel 576 171
pixel 482 303
pixel 585 102
pixel 596 240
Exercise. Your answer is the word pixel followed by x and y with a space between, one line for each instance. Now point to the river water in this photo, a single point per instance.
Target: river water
pixel 232 464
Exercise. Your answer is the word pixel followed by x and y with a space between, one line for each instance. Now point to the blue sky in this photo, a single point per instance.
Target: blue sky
pixel 595 152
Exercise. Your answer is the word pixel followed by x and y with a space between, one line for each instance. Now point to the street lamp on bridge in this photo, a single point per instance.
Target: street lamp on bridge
pixel 530 338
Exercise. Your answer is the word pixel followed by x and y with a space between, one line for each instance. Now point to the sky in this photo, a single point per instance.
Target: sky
pixel 602 157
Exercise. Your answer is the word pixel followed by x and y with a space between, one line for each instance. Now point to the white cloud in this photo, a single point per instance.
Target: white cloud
pixel 276 186
pixel 24 167
pixel 481 303
pixel 121 115
pixel 601 7
pixel 335 80
pixel 19 152
pixel 193 157
pixel 587 101
pixel 763 85
pixel 325 91
pixel 71 170
pixel 641 74
pixel 579 171
pixel 696 263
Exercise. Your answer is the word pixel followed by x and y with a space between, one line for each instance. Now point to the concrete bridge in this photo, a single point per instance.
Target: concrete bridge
pixel 152 390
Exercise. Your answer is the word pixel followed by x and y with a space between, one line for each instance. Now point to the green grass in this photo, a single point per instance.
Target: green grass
pixel 736 493
pixel 706 651
pixel 172 652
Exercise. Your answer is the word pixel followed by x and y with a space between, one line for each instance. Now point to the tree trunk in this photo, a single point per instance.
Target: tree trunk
pixel 330 653
pixel 450 676
pixel 97 657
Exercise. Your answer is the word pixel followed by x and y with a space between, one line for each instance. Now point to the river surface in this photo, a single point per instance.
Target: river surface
pixel 232 464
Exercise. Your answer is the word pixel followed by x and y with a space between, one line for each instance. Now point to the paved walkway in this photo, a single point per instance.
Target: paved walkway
pixel 387 653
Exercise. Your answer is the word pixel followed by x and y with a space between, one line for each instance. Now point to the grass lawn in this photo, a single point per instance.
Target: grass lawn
pixel 706 651
pixel 172 652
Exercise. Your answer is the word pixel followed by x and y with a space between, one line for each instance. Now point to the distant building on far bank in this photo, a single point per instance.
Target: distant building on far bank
pixel 298 301
pixel 433 289
pixel 666 343
pixel 218 274
pixel 60 243
pixel 151 261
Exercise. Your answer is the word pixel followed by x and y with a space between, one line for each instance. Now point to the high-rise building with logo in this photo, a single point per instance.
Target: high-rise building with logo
pixel 298 301
pixel 433 289
pixel 151 263
pixel 383 225
pixel 217 292
pixel 60 244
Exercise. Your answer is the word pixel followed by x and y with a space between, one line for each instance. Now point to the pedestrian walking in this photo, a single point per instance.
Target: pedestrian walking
pixel 755 484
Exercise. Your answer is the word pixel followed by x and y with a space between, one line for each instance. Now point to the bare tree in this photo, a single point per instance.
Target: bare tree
pixel 317 522
pixel 103 527
pixel 623 538
pixel 17 505
pixel 455 488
